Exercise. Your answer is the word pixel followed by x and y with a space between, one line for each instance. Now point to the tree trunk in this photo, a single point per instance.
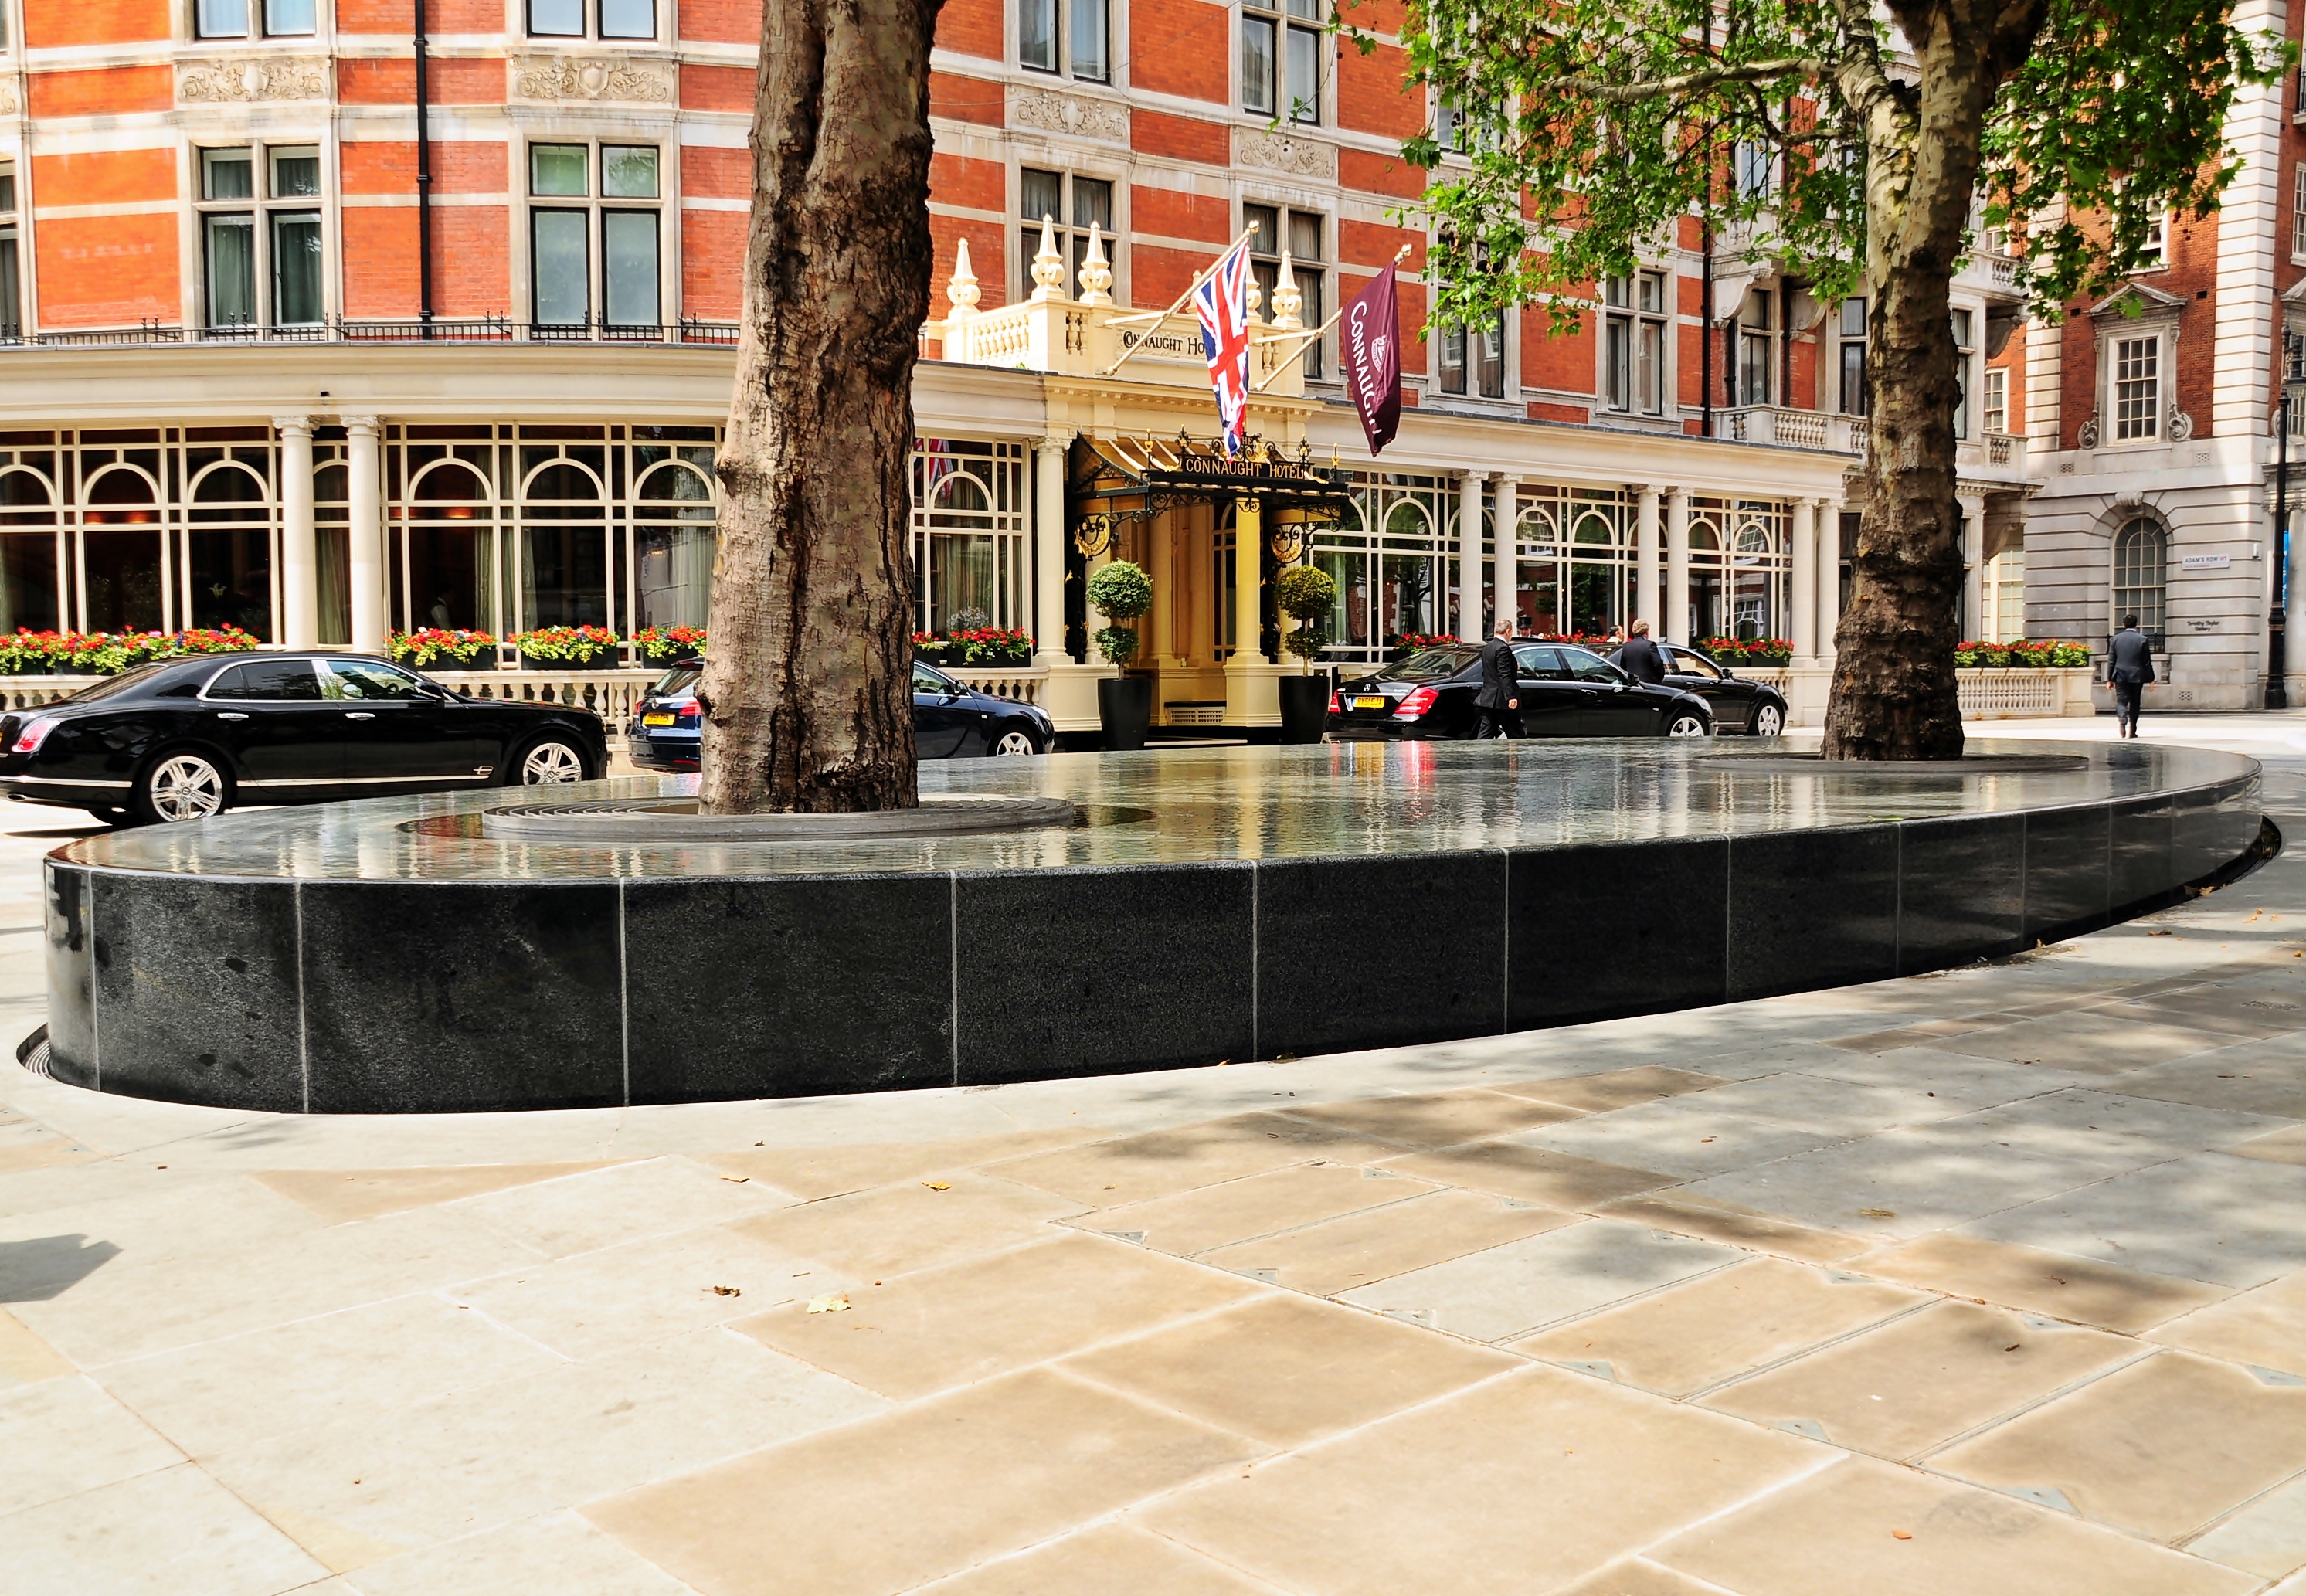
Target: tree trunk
pixel 1895 695
pixel 807 686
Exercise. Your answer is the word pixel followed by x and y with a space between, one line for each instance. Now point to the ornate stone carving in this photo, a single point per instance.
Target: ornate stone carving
pixel 227 82
pixel 2085 435
pixel 7 96
pixel 1278 152
pixel 589 77
pixel 2182 425
pixel 1054 113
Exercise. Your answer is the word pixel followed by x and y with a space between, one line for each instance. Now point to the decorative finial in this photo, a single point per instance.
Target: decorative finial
pixel 1096 275
pixel 1256 294
pixel 1049 266
pixel 1287 299
pixel 962 290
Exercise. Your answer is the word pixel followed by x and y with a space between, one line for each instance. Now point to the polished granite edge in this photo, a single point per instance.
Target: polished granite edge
pixel 420 997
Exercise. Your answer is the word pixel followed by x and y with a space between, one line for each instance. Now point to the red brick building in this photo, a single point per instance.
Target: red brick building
pixel 218 249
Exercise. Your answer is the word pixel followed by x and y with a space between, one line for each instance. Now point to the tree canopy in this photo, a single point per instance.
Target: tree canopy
pixel 1592 125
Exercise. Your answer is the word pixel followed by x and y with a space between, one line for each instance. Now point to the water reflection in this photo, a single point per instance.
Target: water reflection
pixel 1191 805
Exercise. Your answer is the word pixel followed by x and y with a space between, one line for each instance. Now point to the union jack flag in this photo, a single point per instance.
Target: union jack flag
pixel 1222 303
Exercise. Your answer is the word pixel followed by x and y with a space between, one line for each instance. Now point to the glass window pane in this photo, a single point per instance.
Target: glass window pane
pixel 1305 236
pixel 295 172
pixel 27 583
pixel 295 268
pixel 226 175
pixel 560 19
pixel 1093 203
pixel 1853 318
pixel 627 19
pixel 231 578
pixel 557 169
pixel 1653 367
pixel 1256 65
pixel 629 254
pixel 1036 34
pixel 368 679
pixel 221 19
pixel 1090 49
pixel 12 290
pixel 562 263
pixel 1266 220
pixel 8 189
pixel 123 579
pixel 231 270
pixel 1452 360
pixel 1304 76
pixel 267 680
pixel 288 17
pixel 1314 311
pixel 1039 194
pixel 628 171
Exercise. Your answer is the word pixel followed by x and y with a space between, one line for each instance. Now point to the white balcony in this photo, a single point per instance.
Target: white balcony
pixel 1993 458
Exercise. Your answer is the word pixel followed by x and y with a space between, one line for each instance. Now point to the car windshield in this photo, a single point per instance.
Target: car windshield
pixel 926 681
pixel 113 686
pixel 676 681
pixel 1434 664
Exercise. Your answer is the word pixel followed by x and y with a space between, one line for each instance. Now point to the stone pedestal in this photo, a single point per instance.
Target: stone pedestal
pixel 1071 695
pixel 1807 686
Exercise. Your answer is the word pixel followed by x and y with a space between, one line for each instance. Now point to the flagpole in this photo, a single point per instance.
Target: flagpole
pixel 1315 336
pixel 1174 305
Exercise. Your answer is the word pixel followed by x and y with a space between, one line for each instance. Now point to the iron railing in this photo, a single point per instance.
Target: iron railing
pixel 482 329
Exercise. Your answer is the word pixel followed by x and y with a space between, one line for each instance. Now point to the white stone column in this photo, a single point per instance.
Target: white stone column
pixel 1160 648
pixel 366 534
pixel 1469 556
pixel 1505 546
pixel 1248 576
pixel 1049 553
pixel 1829 575
pixel 299 561
pixel 1805 593
pixel 1675 622
pixel 1646 558
pixel 1973 562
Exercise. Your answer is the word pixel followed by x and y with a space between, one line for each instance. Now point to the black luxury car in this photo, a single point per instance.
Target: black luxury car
pixel 1565 692
pixel 1740 705
pixel 950 720
pixel 185 738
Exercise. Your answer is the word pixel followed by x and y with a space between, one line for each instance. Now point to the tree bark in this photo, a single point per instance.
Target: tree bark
pixel 807 686
pixel 1895 695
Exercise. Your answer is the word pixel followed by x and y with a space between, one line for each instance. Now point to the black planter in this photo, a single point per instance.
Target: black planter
pixel 1124 706
pixel 1304 707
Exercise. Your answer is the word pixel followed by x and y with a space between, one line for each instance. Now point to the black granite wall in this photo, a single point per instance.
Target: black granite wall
pixel 349 996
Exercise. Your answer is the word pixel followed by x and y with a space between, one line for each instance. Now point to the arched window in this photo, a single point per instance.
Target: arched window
pixel 1538 597
pixel 227 572
pixel 2141 562
pixel 674 542
pixel 28 551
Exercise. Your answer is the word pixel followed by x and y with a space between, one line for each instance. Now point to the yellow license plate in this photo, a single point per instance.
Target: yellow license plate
pixel 1373 701
pixel 656 720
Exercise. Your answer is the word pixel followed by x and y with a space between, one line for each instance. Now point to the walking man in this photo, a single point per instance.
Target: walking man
pixel 1500 697
pixel 2129 669
pixel 1639 658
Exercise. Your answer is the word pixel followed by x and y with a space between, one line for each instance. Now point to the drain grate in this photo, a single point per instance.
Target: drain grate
pixel 32 1053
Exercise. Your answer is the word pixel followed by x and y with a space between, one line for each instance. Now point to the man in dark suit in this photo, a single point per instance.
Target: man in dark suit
pixel 1500 697
pixel 2129 668
pixel 1639 658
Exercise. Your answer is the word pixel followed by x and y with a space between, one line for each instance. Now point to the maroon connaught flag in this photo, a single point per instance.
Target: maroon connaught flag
pixel 1371 336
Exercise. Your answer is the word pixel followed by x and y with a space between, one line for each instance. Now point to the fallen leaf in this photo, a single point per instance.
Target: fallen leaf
pixel 836 1303
pixel 740 1179
pixel 1703 1140
pixel 1878 1213
pixel 1900 1535
pixel 2161 934
pixel 938 1185
pixel 2013 1346
pixel 727 1291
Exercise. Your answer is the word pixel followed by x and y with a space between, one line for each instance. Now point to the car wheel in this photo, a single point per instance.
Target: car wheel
pixel 1687 723
pixel 181 786
pixel 1013 739
pixel 1768 720
pixel 551 762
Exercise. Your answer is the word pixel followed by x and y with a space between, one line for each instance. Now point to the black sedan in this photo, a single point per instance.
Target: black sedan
pixel 1739 704
pixel 1565 692
pixel 950 720
pixel 186 738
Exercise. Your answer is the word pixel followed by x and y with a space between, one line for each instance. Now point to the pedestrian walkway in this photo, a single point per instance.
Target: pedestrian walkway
pixel 1988 1281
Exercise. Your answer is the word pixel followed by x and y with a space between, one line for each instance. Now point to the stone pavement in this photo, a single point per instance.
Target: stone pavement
pixel 1992 1281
